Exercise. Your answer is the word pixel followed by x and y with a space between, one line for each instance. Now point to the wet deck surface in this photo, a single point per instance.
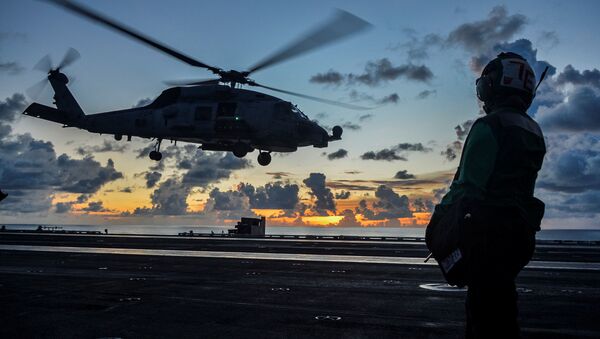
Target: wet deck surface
pixel 92 295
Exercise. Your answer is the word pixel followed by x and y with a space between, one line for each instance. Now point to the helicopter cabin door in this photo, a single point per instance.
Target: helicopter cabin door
pixel 228 122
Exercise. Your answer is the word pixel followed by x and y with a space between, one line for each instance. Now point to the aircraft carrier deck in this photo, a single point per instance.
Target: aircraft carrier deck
pixel 112 286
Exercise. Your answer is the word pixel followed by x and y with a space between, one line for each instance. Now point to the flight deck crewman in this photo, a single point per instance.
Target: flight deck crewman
pixel 496 176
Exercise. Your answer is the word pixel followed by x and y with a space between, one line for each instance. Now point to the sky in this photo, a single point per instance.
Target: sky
pixel 416 66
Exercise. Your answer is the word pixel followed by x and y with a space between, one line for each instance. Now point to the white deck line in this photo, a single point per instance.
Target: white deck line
pixel 556 265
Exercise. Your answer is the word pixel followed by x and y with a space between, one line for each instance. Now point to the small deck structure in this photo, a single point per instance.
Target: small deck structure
pixel 250 226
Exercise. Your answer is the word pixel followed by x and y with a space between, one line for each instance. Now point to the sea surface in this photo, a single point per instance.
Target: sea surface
pixel 547 234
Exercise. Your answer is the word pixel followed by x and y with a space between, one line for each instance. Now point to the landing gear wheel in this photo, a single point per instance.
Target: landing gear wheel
pixel 155 155
pixel 240 150
pixel 264 158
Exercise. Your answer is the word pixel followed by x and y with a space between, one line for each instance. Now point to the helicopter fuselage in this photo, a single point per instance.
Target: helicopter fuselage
pixel 215 116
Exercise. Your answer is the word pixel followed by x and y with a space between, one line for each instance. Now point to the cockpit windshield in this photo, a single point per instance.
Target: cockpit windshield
pixel 297 111
pixel 285 108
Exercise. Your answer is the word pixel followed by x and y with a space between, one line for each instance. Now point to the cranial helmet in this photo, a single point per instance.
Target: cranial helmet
pixel 508 75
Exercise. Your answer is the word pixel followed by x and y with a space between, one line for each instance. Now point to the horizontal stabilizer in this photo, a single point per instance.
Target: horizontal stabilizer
pixel 48 113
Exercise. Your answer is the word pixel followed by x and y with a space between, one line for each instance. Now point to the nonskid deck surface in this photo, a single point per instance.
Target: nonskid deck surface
pixel 76 286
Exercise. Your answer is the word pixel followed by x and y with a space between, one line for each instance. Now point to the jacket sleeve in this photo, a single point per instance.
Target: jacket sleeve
pixel 477 164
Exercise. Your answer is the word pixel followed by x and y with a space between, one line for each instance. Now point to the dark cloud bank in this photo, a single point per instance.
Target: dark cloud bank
pixel 31 171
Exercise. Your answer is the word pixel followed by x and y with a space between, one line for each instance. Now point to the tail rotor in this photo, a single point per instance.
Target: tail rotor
pixel 45 65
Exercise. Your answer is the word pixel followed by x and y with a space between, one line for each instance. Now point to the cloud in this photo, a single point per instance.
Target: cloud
pixel 204 168
pixel 27 163
pixel 279 175
pixel 330 77
pixel 548 39
pixel 422 205
pixel 424 181
pixel 403 174
pixel 572 76
pixel 11 68
pixel 275 195
pixel 365 117
pixel 580 113
pixel 389 99
pixel 417 147
pixel 393 98
pixel 85 175
pixel 152 178
pixel 197 169
pixel 382 71
pixel 572 164
pixel 63 207
pixel 30 171
pixel 12 107
pixel 170 198
pixel 349 219
pixel 107 146
pixel 391 154
pixel 126 190
pixel 376 72
pixel 339 154
pixel 462 130
pixel 342 195
pixel 351 126
pixel 95 206
pixel 418 49
pixel 425 94
pixel 227 201
pixel 385 154
pixel 452 150
pixel 482 34
pixel 476 37
pixel 324 201
pixel 389 205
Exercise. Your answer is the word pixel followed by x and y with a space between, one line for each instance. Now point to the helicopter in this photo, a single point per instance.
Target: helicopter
pixel 216 113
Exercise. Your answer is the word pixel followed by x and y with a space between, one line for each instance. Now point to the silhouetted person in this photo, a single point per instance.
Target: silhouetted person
pixel 3 195
pixel 106 231
pixel 495 181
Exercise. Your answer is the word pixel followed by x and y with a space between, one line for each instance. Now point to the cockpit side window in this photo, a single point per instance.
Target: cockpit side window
pixel 203 113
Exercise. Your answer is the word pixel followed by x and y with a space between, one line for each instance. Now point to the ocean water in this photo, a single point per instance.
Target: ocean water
pixel 548 234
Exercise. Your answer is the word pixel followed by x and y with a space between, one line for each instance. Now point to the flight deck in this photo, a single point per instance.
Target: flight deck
pixel 124 286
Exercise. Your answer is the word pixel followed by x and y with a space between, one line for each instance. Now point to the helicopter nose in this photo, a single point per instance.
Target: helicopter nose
pixel 320 136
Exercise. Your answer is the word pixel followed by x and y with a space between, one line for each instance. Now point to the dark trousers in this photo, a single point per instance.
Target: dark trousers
pixel 503 248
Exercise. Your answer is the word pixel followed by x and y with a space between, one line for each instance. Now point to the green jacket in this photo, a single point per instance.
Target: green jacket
pixel 499 164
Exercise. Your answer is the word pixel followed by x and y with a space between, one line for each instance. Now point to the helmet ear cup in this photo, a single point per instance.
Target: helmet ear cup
pixel 484 86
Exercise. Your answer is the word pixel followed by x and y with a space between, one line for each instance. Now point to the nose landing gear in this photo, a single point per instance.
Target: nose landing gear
pixel 264 158
pixel 155 154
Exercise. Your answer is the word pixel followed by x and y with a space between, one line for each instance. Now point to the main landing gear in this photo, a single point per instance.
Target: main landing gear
pixel 155 154
pixel 264 158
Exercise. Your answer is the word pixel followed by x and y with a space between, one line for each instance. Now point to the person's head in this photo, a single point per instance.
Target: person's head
pixel 508 80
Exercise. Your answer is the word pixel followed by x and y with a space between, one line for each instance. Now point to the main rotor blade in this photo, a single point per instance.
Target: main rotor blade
pixel 97 17
pixel 326 101
pixel 44 65
pixel 192 82
pixel 342 25
pixel 70 57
